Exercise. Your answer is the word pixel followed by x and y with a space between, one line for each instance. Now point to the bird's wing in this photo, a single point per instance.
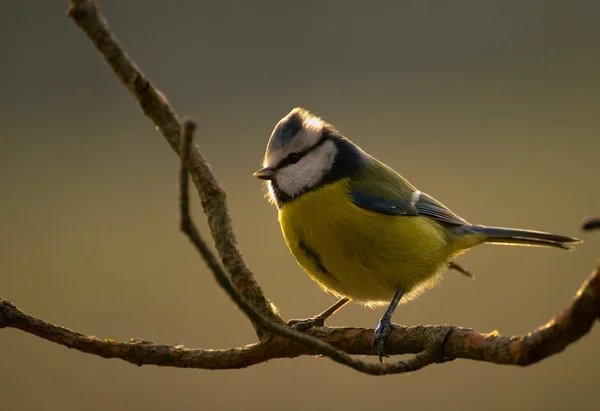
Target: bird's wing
pixel 380 189
pixel 430 207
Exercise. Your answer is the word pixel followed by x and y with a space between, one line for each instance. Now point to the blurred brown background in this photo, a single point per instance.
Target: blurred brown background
pixel 490 106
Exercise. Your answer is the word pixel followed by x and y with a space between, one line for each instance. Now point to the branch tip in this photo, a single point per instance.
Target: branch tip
pixel 590 224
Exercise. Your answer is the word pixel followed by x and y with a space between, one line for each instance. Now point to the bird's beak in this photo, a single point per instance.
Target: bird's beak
pixel 266 173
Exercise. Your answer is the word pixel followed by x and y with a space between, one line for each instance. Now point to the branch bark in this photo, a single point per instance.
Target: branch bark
pixel 450 342
pixel 431 344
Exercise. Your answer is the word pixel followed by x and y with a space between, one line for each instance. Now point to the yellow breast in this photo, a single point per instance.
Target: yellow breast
pixel 358 253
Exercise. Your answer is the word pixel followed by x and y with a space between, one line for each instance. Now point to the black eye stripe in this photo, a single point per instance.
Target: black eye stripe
pixel 293 158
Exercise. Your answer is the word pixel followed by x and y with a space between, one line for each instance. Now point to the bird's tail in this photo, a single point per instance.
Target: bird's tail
pixel 511 236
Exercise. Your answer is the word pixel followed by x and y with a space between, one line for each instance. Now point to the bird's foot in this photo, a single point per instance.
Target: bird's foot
pixel 306 323
pixel 380 338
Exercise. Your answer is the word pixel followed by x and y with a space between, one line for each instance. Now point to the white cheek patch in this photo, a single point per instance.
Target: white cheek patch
pixel 307 172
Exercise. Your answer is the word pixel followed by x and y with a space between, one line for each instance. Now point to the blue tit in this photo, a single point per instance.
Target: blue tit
pixel 358 228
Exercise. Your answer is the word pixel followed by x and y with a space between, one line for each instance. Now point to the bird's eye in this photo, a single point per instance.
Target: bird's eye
pixel 293 158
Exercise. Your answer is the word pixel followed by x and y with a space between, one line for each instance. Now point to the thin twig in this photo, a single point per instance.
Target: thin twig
pixel 87 16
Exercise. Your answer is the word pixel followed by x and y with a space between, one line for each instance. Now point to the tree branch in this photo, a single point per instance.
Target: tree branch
pixel 431 344
pixel 450 342
pixel 86 15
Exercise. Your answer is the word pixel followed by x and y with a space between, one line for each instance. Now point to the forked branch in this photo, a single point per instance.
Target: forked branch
pixel 156 107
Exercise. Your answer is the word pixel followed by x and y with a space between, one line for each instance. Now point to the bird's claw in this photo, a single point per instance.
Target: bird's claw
pixel 380 338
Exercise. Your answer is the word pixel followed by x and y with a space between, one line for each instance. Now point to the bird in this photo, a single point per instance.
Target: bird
pixel 358 228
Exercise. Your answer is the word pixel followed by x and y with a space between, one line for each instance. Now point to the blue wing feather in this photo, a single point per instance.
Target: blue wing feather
pixel 426 206
pixel 383 205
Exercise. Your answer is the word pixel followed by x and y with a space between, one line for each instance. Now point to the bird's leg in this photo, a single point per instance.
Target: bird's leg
pixel 383 328
pixel 318 320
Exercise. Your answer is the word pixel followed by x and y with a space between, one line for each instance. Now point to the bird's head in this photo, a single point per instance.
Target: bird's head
pixel 303 153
